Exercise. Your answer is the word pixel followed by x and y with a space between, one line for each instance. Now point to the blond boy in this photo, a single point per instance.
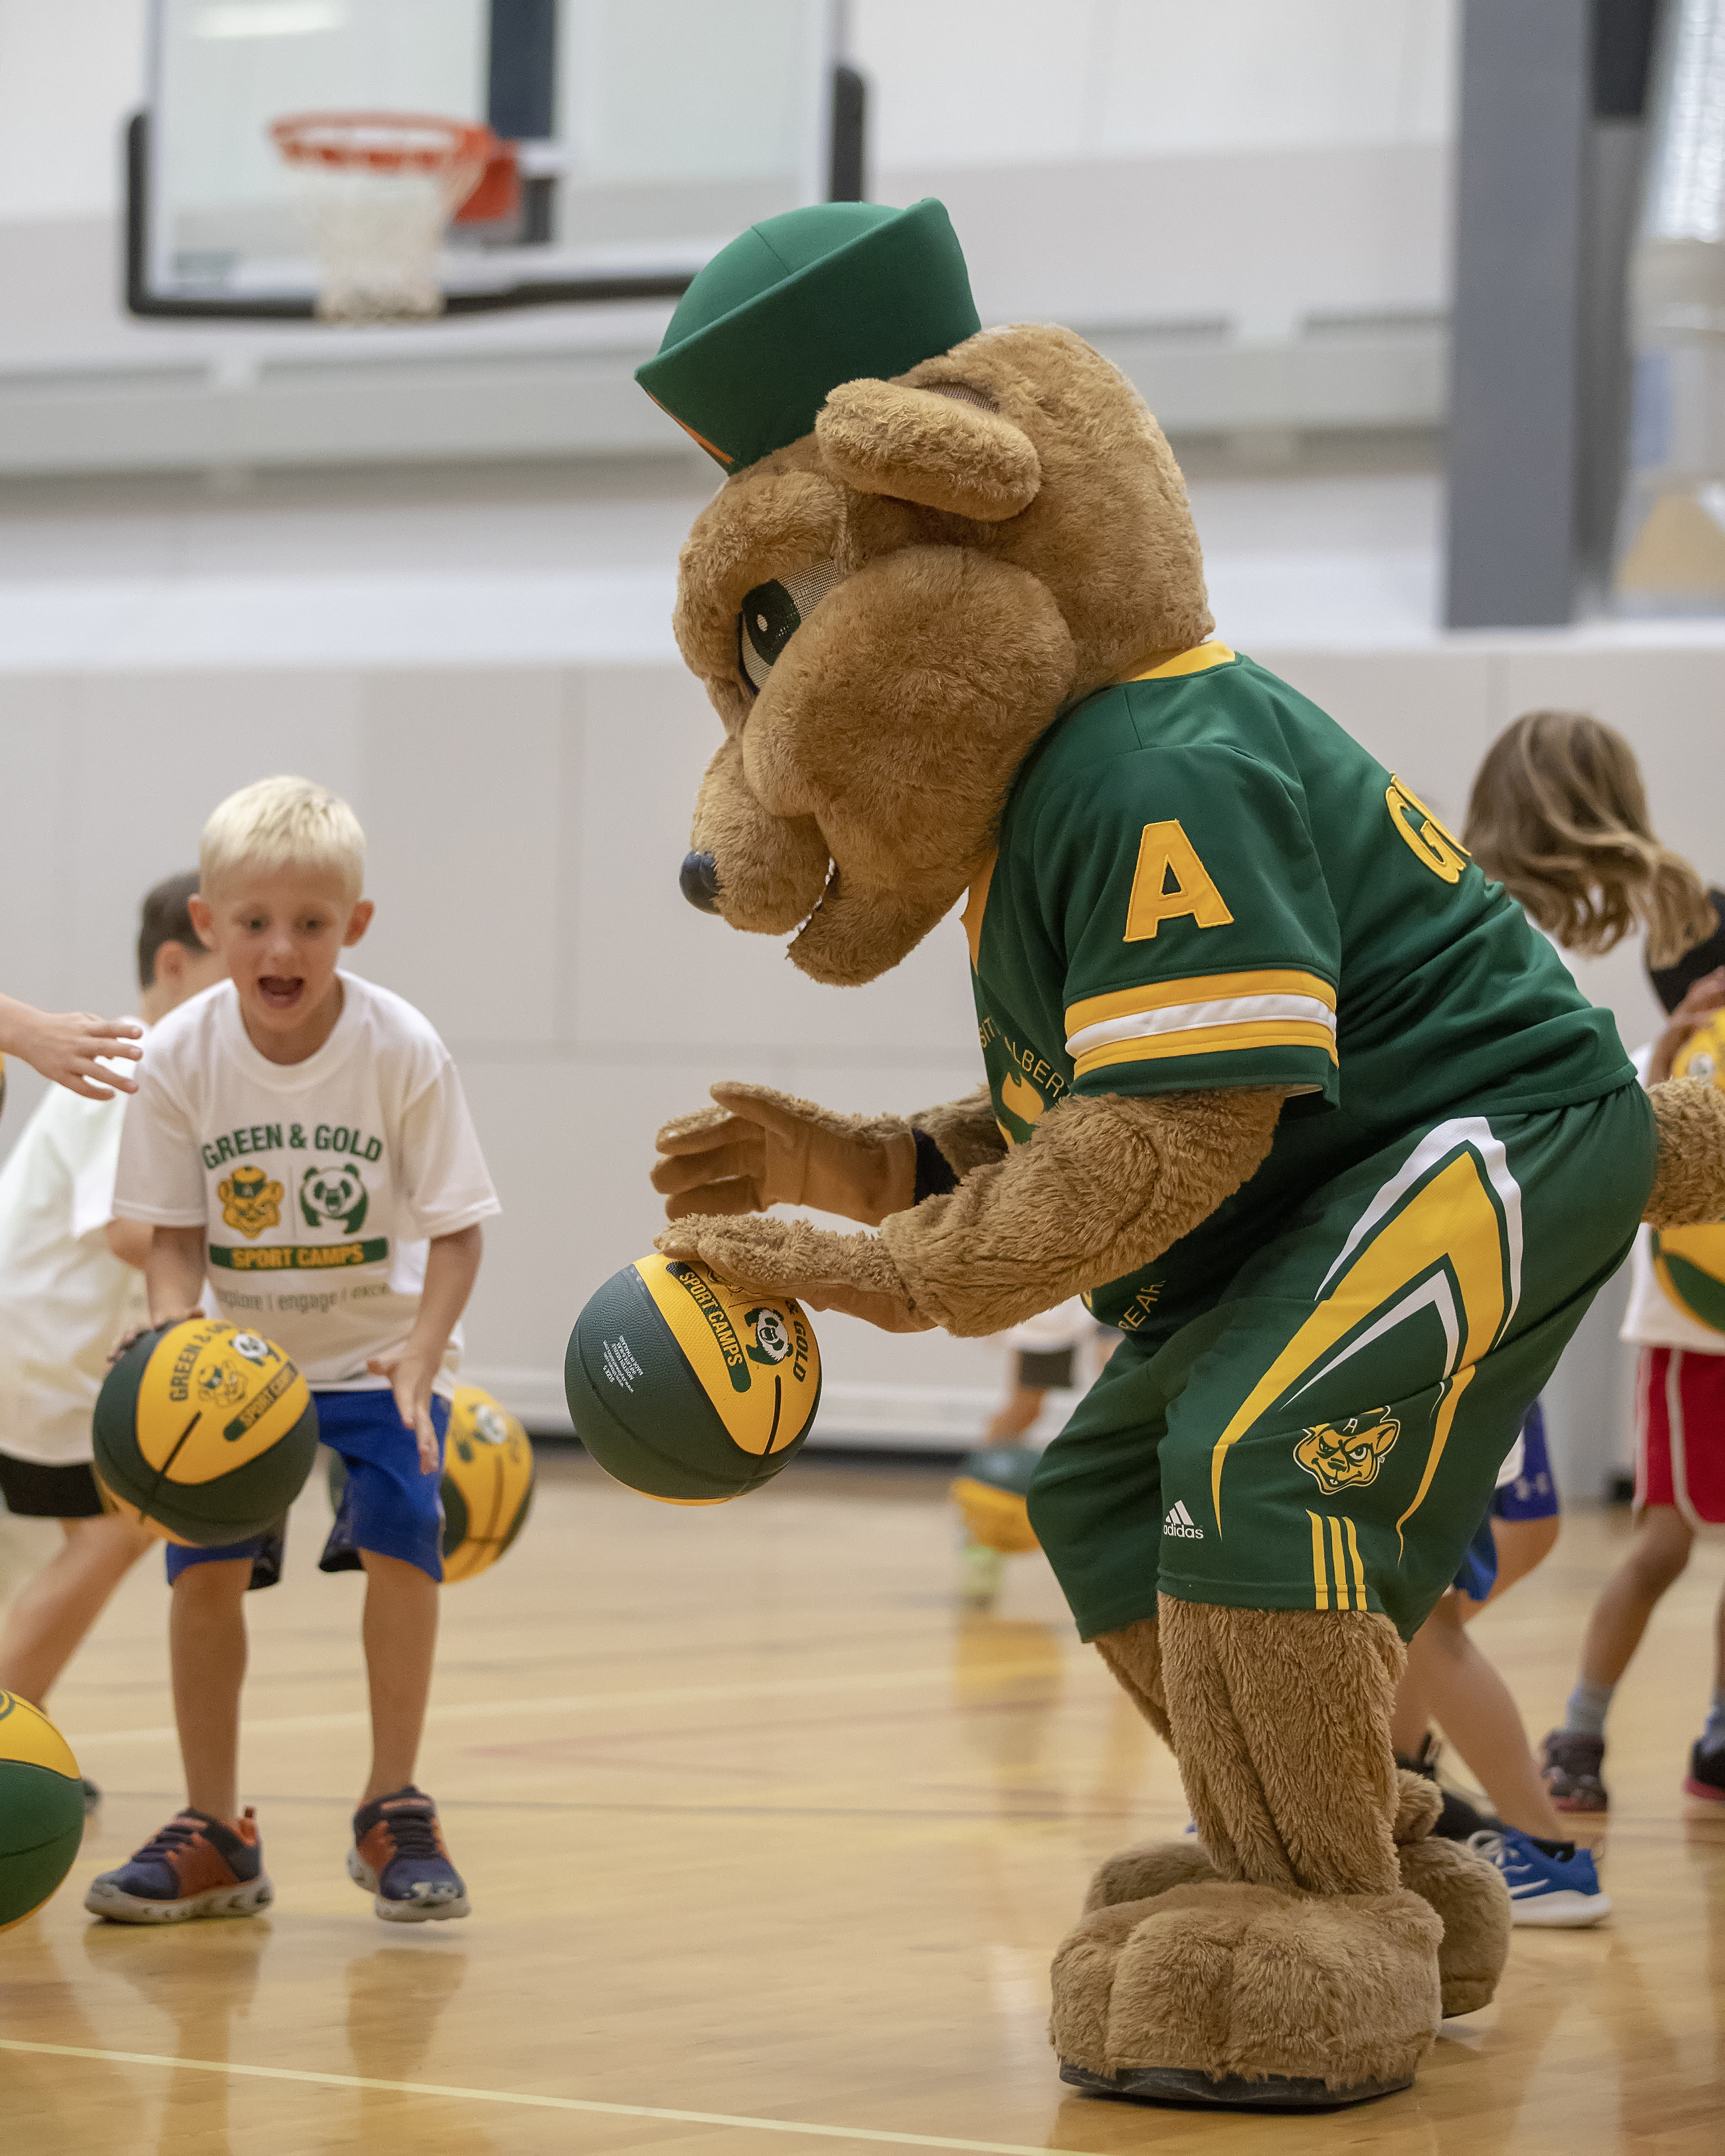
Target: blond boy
pixel 300 1141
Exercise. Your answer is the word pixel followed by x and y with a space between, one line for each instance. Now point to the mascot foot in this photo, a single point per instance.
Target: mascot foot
pixel 1248 1997
pixel 1468 1894
pixel 1232 2092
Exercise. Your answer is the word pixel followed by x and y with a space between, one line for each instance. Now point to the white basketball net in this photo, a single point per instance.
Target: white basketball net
pixel 379 190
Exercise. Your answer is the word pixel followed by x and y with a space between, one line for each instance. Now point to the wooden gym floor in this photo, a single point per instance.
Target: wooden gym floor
pixel 768 1848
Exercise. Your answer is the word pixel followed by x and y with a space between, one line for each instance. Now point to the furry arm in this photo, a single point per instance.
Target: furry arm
pixel 1105 1186
pixel 1689 1183
pixel 760 1147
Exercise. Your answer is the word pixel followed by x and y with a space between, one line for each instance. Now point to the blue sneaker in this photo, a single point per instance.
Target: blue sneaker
pixel 1561 1891
pixel 196 1866
pixel 399 1858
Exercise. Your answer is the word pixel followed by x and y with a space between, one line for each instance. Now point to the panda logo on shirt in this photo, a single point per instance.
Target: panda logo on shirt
pixel 333 1197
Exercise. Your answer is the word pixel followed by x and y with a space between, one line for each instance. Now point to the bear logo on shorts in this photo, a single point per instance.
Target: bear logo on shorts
pixel 1346 1456
pixel 333 1197
pixel 250 1201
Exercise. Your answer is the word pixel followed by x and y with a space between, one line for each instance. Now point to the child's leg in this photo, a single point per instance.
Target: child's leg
pixel 207 1645
pixel 50 1615
pixel 1521 1544
pixel 1657 1555
pixel 1480 1718
pixel 1410 1717
pixel 400 1635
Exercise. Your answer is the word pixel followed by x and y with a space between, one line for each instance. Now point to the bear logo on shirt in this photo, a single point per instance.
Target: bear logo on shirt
pixel 250 1201
pixel 333 1197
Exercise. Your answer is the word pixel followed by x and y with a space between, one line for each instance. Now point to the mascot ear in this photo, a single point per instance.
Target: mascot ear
pixel 945 448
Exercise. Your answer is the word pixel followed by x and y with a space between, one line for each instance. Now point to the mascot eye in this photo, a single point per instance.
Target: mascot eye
pixel 772 614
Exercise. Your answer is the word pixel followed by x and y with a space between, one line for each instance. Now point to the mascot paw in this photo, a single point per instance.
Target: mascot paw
pixel 1469 1895
pixel 1246 1997
pixel 827 1271
pixel 1147 1869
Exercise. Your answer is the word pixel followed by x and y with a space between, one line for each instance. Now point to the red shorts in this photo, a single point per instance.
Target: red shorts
pixel 1679 1432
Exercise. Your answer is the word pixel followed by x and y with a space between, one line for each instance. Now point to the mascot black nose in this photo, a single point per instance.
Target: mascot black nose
pixel 700 881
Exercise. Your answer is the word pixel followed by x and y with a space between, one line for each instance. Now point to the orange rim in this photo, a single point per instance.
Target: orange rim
pixel 382 142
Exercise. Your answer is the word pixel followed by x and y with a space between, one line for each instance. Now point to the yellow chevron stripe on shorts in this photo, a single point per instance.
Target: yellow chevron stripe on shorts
pixel 1444 1234
pixel 1337 1567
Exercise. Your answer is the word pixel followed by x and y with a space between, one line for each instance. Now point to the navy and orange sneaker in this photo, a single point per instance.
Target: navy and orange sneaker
pixel 399 1858
pixel 196 1867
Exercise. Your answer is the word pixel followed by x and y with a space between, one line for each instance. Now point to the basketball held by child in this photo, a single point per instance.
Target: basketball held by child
pixel 204 1432
pixel 41 1809
pixel 1690 1262
pixel 687 1388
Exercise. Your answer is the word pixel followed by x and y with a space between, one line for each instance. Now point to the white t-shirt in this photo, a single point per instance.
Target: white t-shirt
pixel 320 1182
pixel 1653 1319
pixel 64 1297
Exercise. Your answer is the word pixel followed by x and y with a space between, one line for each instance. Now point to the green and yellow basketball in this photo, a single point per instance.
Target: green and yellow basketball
pixel 1691 1261
pixel 204 1432
pixel 686 1389
pixel 992 1490
pixel 487 1487
pixel 41 1809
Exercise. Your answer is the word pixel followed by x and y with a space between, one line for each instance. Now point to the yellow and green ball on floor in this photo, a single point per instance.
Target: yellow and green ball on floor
pixel 41 1809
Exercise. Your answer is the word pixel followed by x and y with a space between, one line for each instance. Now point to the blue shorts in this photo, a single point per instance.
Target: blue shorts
pixel 388 1504
pixel 1526 1487
pixel 1526 1491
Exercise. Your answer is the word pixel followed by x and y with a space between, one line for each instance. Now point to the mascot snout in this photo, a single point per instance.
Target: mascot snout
pixel 698 880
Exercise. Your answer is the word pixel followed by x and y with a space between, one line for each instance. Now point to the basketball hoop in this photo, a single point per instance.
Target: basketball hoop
pixel 379 189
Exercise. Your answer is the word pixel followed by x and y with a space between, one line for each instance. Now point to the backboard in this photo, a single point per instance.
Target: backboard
pixel 647 133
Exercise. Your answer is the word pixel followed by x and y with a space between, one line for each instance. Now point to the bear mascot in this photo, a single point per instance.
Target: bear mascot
pixel 1275 1078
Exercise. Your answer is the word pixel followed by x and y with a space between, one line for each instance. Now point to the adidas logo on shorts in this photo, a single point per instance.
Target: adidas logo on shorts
pixel 1179 1521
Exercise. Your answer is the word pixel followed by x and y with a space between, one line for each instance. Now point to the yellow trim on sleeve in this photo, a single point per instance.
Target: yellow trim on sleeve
pixel 1208 1041
pixel 976 904
pixel 1195 988
pixel 1198 659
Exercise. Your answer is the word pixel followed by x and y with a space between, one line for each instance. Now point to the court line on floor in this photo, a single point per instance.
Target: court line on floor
pixel 525 2102
pixel 500 1710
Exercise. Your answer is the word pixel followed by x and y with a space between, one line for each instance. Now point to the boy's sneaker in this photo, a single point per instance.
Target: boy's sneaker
pixel 1707 1775
pixel 1570 1767
pixel 196 1866
pixel 1545 1885
pixel 399 1858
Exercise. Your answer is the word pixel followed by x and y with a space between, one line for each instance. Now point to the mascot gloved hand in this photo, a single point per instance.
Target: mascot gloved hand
pixel 1273 1074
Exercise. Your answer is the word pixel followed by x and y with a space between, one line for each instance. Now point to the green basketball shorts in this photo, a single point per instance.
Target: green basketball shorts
pixel 1328 1435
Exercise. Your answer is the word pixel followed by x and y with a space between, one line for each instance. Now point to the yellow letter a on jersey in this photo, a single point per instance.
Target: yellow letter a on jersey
pixel 1170 880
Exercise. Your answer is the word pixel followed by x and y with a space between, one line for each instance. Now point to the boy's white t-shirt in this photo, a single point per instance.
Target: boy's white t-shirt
pixel 319 1183
pixel 1653 1319
pixel 64 1297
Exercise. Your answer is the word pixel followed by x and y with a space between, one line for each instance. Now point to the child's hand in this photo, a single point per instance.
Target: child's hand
pixel 1704 997
pixel 64 1047
pixel 410 1377
pixel 156 1325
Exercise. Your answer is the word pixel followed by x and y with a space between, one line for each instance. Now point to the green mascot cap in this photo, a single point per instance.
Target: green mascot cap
pixel 837 292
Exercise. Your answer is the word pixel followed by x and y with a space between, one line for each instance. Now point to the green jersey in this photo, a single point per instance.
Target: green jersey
pixel 1202 881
